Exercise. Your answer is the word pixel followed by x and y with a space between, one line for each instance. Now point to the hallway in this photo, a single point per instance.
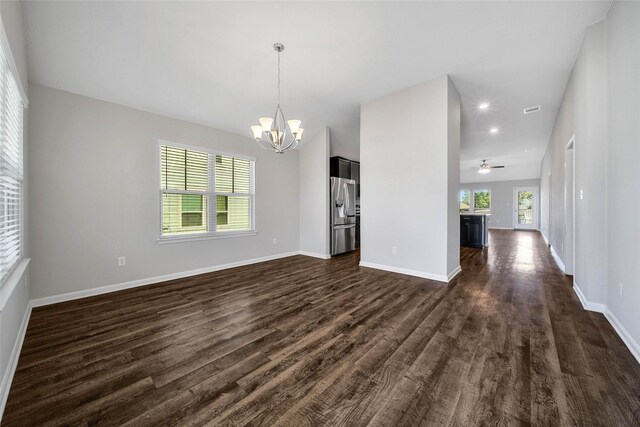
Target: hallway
pixel 302 341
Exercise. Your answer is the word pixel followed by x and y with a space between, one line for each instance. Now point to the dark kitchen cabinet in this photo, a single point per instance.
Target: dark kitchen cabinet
pixel 355 171
pixel 474 231
pixel 340 167
pixel 355 175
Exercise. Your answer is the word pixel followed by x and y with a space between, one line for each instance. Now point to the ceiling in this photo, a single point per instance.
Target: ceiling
pixel 212 63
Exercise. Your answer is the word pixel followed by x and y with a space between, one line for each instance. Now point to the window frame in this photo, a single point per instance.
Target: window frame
pixel 487 190
pixel 472 200
pixel 211 196
pixel 7 278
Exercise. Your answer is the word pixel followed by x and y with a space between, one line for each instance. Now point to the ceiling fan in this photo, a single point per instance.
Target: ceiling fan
pixel 486 167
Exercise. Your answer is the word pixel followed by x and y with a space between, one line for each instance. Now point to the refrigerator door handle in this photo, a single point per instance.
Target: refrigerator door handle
pixel 346 198
pixel 343 226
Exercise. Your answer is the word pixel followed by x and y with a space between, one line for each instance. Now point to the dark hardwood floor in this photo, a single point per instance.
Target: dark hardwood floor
pixel 301 341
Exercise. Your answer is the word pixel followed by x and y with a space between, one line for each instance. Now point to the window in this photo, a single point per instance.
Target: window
pixel 195 182
pixel 476 201
pixel 234 188
pixel 465 201
pixel 11 173
pixel 482 201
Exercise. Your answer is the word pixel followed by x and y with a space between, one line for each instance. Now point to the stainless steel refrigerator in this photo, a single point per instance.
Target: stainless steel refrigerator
pixel 342 204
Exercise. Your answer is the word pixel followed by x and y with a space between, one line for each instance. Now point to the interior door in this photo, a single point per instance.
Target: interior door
pixel 525 203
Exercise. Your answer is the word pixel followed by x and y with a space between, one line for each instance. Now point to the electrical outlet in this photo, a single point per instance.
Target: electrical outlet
pixel 394 250
pixel 122 261
pixel 275 241
pixel 621 287
pixel 581 194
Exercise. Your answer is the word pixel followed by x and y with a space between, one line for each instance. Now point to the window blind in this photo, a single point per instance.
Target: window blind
pixel 234 193
pixel 205 193
pixel 184 184
pixel 11 172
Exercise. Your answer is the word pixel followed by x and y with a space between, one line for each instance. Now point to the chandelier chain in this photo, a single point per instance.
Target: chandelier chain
pixel 278 77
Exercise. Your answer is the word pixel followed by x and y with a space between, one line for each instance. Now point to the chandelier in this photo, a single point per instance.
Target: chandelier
pixel 275 133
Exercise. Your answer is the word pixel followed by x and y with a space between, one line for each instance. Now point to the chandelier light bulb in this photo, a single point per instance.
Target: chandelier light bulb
pixel 276 137
pixel 266 123
pixel 257 131
pixel 294 125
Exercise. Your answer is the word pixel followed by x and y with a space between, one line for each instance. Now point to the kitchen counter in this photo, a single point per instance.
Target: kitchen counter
pixel 474 230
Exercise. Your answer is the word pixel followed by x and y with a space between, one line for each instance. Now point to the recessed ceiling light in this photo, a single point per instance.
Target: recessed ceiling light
pixel 493 130
pixel 483 106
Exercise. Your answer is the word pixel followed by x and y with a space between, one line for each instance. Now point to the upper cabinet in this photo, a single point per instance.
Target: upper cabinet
pixel 355 172
pixel 340 167
pixel 344 168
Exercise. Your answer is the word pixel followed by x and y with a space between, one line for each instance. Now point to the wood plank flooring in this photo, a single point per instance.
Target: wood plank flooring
pixel 301 341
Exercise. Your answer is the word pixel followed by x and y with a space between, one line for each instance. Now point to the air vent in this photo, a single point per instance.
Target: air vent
pixel 532 109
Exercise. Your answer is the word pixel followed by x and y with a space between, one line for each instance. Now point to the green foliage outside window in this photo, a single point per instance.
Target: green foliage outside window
pixel 482 201
pixel 465 201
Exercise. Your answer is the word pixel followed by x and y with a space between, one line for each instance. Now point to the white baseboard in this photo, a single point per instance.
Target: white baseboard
pixel 454 273
pixel 151 280
pixel 545 238
pixel 622 332
pixel 5 385
pixel 557 258
pixel 626 337
pixel 500 228
pixel 315 254
pixel 586 304
pixel 424 275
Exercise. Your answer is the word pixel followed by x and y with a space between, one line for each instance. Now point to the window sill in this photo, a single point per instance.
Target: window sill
pixel 6 288
pixel 229 235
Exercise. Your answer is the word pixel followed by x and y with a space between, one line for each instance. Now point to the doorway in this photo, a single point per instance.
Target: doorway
pixel 569 206
pixel 525 213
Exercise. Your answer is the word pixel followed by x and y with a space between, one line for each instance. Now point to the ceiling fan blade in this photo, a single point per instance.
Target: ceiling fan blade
pixel 496 167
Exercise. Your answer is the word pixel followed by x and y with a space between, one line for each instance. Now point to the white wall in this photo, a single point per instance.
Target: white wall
pixel 502 199
pixel 583 113
pixel 453 177
pixel 314 195
pixel 345 134
pixel 14 299
pixel 95 195
pixel 623 65
pixel 601 106
pixel 407 162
